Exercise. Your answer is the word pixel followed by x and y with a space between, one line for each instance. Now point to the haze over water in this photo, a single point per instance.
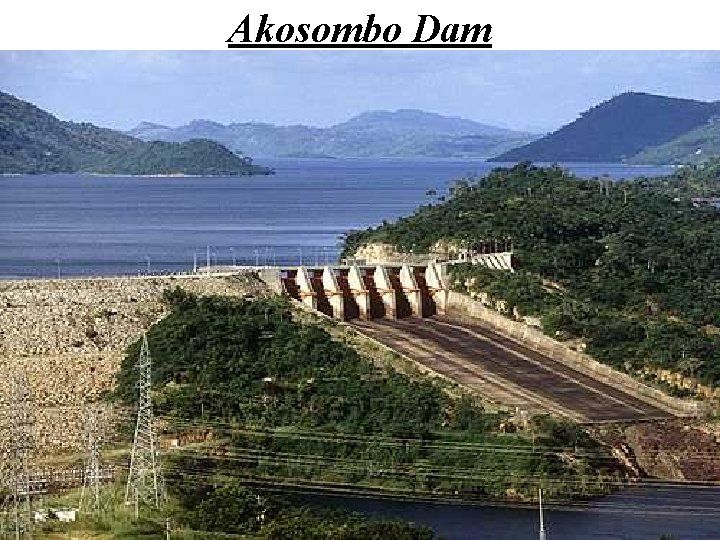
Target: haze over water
pixel 93 225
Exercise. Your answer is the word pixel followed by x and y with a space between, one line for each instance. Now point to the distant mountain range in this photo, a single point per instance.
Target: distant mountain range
pixel 34 141
pixel 401 133
pixel 632 127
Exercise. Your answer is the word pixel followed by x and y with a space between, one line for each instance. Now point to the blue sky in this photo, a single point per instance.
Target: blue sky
pixel 537 90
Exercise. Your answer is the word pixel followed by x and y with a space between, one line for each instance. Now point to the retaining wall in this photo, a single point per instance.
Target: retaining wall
pixel 527 335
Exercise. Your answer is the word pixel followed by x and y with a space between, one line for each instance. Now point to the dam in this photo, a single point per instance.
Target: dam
pixel 69 336
pixel 409 308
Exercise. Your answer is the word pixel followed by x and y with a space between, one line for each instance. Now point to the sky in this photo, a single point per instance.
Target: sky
pixel 534 90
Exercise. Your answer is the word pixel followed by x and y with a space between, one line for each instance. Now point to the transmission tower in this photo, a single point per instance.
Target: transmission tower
pixel 21 443
pixel 142 484
pixel 90 493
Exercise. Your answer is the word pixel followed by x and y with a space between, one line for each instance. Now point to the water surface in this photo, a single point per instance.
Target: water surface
pixel 87 225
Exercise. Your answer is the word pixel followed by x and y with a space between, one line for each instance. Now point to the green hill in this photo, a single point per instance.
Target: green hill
pixel 630 268
pixel 33 141
pixel 197 156
pixel 617 129
pixel 695 146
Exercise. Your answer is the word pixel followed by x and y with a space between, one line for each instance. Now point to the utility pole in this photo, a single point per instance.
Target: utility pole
pixel 142 483
pixel 21 444
pixel 542 522
pixel 207 254
pixel 90 493
pixel 195 262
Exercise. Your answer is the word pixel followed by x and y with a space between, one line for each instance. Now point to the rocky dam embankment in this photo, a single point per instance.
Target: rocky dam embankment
pixel 68 337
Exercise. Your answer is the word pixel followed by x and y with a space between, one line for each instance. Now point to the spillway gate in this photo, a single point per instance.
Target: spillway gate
pixel 369 292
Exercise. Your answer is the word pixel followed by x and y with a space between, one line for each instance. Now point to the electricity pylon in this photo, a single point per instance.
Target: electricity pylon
pixel 142 484
pixel 21 443
pixel 90 492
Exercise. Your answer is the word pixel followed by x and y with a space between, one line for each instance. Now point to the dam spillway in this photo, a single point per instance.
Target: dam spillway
pixel 386 291
pixel 408 308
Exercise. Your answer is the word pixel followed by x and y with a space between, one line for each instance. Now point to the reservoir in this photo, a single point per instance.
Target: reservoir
pixel 75 225
pixel 637 513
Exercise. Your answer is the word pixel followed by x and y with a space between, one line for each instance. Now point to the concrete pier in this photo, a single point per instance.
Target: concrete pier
pixel 359 293
pixel 305 288
pixel 411 290
pixel 386 291
pixel 333 293
pixel 437 287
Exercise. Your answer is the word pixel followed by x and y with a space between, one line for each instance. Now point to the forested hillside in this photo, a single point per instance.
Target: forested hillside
pixel 287 403
pixel 695 146
pixel 631 268
pixel 617 130
pixel 33 141
pixel 197 156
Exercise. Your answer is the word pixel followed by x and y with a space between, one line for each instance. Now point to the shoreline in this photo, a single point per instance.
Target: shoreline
pixel 103 175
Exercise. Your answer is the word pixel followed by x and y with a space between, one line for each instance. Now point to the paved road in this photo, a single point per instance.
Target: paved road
pixel 506 371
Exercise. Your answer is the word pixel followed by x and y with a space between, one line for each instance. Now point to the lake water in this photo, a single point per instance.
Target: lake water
pixel 638 513
pixel 89 225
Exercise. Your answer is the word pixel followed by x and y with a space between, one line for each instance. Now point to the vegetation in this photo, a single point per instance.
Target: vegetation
pixel 618 129
pixel 239 510
pixel 631 268
pixel 33 141
pixel 197 156
pixel 696 146
pixel 199 510
pixel 271 401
